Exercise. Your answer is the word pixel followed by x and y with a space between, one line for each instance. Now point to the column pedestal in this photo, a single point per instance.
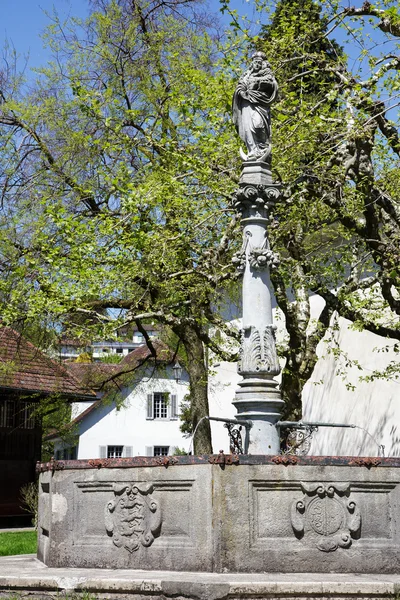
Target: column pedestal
pixel 257 397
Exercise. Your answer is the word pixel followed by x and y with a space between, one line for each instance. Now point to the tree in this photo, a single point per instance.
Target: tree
pixel 119 164
pixel 116 174
pixel 307 235
pixel 336 150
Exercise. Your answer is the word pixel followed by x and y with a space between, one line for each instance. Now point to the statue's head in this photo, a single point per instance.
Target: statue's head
pixel 259 61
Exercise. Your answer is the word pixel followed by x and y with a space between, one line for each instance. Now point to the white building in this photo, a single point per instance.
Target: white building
pixel 70 349
pixel 148 423
pixel 128 341
pixel 137 413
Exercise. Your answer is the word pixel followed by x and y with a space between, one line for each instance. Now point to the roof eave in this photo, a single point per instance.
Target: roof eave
pixel 75 396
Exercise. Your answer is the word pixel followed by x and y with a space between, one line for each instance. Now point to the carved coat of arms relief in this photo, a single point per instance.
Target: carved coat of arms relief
pixel 326 515
pixel 133 517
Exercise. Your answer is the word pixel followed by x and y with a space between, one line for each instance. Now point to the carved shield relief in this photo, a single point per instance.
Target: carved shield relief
pixel 133 517
pixel 326 516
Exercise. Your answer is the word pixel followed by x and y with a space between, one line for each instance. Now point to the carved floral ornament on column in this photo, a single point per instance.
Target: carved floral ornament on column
pixel 133 517
pixel 258 351
pixel 260 259
pixel 326 516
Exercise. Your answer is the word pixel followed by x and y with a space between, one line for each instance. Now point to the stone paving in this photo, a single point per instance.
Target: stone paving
pixel 25 575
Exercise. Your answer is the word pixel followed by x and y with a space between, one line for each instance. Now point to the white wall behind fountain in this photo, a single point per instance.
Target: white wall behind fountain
pixel 331 396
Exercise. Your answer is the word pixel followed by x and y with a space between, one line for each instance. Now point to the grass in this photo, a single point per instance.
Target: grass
pixel 23 542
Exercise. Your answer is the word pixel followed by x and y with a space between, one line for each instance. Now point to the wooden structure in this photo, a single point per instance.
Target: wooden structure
pixel 26 377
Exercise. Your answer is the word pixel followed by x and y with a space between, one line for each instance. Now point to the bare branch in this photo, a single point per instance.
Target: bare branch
pixel 386 23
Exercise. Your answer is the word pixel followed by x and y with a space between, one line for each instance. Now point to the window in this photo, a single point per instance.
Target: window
pixel 119 350
pixel 66 453
pixel 114 451
pixel 7 413
pixel 160 450
pixel 27 415
pixel 162 405
pixel 17 413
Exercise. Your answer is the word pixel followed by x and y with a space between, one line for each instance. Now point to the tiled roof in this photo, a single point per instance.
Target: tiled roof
pixel 142 354
pixel 74 343
pixel 105 375
pixel 24 367
pixel 92 375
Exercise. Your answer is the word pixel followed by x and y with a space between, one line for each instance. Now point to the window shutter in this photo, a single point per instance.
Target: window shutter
pixel 150 414
pixel 171 450
pixel 103 451
pixel 174 413
pixel 128 451
pixel 149 450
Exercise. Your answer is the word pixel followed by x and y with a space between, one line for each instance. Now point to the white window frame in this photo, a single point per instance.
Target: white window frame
pixel 127 451
pixel 149 450
pixel 171 407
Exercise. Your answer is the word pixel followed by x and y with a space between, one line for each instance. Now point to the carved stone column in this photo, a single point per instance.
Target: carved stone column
pixel 257 398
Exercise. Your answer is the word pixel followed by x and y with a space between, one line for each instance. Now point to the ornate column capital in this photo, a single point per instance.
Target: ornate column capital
pixel 255 200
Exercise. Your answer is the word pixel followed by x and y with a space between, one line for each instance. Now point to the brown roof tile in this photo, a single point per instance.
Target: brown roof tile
pixel 74 343
pixel 106 376
pixel 142 354
pixel 24 367
pixel 92 375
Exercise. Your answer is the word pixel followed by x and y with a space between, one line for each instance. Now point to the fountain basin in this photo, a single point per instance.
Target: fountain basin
pixel 222 514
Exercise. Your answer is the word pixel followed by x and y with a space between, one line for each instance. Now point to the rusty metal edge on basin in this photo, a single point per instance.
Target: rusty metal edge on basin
pixel 220 459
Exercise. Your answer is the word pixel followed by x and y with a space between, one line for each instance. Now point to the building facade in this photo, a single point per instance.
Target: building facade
pixel 136 412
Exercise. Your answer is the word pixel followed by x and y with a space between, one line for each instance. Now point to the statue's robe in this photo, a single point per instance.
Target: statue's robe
pixel 251 114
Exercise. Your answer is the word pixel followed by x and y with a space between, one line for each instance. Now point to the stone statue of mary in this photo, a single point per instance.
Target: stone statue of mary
pixel 256 90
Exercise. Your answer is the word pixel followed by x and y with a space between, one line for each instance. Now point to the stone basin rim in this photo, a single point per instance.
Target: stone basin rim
pixel 222 460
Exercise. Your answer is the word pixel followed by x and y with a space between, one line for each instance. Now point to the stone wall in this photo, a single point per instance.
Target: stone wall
pixel 265 514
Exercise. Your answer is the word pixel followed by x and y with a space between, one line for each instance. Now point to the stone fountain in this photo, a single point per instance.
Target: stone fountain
pixel 255 512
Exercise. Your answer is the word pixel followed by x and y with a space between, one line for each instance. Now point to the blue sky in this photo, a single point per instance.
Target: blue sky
pixel 22 22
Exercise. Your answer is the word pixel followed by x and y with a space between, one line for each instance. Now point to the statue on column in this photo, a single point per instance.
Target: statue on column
pixel 257 398
pixel 255 92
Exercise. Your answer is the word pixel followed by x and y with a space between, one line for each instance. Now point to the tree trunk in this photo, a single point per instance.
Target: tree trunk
pixel 198 378
pixel 292 387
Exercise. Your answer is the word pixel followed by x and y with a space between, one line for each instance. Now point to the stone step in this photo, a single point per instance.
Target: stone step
pixel 25 575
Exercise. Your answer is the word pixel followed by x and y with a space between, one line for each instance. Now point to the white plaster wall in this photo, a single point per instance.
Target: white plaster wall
pixel 222 385
pixel 373 406
pixel 129 425
pixel 79 407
